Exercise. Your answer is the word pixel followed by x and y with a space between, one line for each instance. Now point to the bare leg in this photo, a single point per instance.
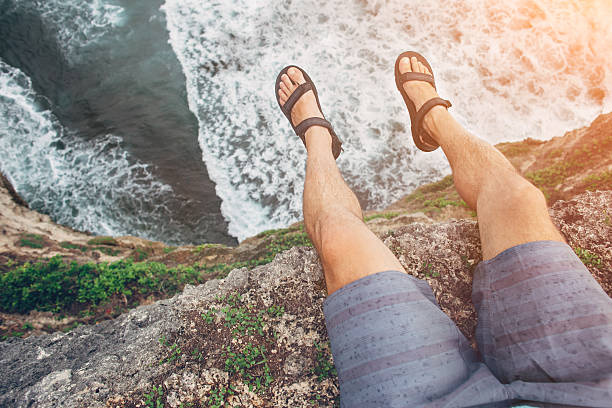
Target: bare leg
pixel 332 215
pixel 511 211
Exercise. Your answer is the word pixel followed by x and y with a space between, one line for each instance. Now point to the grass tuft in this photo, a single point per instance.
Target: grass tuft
pixel 103 241
pixel 32 241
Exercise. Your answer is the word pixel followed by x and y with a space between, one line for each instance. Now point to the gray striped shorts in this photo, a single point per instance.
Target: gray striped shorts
pixel 544 334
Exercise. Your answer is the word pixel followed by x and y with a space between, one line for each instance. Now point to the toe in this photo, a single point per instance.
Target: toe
pixel 282 96
pixel 287 82
pixel 404 65
pixel 415 64
pixel 422 68
pixel 284 88
pixel 296 75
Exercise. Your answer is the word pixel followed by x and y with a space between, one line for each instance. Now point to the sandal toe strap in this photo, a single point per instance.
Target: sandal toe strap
pixel 293 98
pixel 416 76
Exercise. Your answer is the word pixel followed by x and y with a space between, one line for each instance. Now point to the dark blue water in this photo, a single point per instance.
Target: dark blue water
pixel 125 80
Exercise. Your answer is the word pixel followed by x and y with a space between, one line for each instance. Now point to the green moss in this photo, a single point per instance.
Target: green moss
pixel 518 148
pixel 202 247
pixel 415 196
pixel 139 254
pixel 443 202
pixel 103 241
pixel 108 251
pixel 70 245
pixel 386 216
pixel 281 231
pixel 443 184
pixel 32 241
pixel 600 181
pixel 554 174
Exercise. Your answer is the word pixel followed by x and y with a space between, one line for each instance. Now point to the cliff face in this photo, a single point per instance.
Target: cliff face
pixel 178 349
pixel 257 336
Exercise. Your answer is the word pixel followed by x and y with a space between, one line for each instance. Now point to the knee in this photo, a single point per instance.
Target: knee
pixel 523 192
pixel 517 193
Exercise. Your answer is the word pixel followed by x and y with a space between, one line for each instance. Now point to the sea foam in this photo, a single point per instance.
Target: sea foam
pixel 513 69
pixel 90 186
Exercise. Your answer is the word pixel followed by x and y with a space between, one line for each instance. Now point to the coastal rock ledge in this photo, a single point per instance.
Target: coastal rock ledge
pixel 182 349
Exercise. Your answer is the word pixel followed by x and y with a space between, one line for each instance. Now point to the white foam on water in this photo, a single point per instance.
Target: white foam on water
pixel 87 186
pixel 78 24
pixel 513 69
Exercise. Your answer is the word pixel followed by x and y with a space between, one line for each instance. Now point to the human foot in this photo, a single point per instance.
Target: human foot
pixel 418 91
pixel 415 81
pixel 306 106
pixel 298 99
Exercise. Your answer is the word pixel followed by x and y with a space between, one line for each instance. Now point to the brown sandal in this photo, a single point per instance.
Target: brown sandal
pixel 421 138
pixel 301 128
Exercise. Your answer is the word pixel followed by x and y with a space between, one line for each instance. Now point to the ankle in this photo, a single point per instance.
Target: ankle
pixel 318 138
pixel 432 121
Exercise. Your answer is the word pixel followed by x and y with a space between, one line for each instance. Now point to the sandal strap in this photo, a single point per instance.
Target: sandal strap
pixel 416 76
pixel 307 123
pixel 427 106
pixel 293 98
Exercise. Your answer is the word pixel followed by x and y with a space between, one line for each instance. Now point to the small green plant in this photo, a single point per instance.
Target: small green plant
pixel 437 186
pixel 324 368
pixel 217 396
pixel 169 249
pixel 209 316
pixel 282 231
pixel 54 285
pixel 31 241
pixel 70 245
pixel 140 254
pixel 201 247
pixel 276 311
pixel 587 257
pixel 428 270
pixel 154 398
pixel 27 326
pixel 174 351
pixel 250 364
pixel 442 202
pixel 107 250
pixel 103 241
pixel 386 216
pixel 600 181
pixel 197 354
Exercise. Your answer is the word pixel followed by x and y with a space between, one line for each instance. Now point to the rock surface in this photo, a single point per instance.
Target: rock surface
pixel 122 361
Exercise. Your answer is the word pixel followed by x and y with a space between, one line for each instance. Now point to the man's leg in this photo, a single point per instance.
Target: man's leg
pixel 511 211
pixel 544 323
pixel 392 345
pixel 332 215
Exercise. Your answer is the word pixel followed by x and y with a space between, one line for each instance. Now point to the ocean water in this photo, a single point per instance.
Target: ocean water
pixel 159 118
pixel 95 125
